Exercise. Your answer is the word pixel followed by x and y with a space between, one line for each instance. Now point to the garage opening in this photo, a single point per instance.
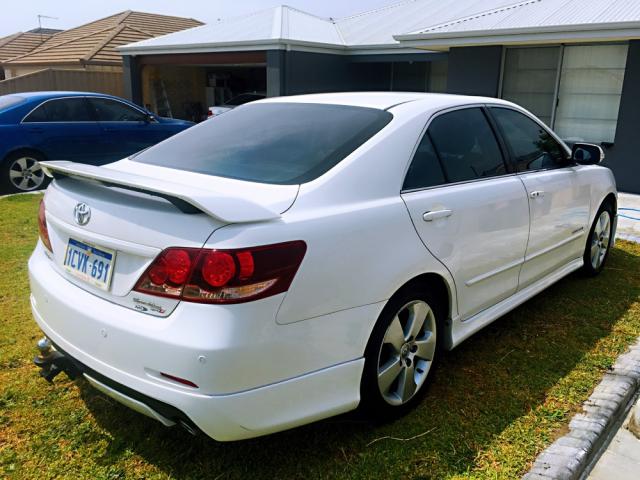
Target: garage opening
pixel 185 86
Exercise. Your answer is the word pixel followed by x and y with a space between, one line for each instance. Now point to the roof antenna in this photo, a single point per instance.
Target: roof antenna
pixel 40 17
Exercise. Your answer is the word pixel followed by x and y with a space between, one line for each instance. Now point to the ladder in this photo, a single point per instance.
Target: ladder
pixel 163 107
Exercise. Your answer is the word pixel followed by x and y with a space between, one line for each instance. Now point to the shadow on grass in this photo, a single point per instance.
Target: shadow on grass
pixel 498 376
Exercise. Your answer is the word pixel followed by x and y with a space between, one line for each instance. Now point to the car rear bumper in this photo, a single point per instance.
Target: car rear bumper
pixel 125 350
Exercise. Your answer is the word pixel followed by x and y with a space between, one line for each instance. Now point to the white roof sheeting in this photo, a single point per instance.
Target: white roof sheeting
pixel 377 27
pixel 433 24
pixel 566 17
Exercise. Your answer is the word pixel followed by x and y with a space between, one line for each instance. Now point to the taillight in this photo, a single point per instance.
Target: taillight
pixel 223 276
pixel 42 227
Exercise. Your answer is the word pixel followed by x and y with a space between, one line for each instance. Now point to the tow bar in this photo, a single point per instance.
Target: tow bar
pixel 52 362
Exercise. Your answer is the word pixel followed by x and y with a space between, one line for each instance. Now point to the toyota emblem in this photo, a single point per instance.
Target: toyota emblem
pixel 82 213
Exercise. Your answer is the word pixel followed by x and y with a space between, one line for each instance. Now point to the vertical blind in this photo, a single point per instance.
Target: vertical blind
pixel 530 79
pixel 586 99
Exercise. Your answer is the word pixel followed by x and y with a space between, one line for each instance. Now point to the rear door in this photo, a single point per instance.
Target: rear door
pixel 63 129
pixel 559 198
pixel 469 210
pixel 125 129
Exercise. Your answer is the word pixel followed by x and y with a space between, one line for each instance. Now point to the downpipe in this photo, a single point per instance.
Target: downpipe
pixel 52 363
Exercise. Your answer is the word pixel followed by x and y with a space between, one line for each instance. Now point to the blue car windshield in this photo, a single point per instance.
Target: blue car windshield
pixel 277 143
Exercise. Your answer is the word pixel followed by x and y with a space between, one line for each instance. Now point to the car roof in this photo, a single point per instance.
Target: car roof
pixel 56 94
pixel 385 100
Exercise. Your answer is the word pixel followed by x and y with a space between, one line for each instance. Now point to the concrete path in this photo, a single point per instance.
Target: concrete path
pixel 621 460
pixel 629 218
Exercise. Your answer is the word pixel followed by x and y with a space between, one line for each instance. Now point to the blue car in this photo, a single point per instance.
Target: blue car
pixel 78 126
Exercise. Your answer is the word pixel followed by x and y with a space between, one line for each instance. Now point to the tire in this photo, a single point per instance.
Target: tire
pixel 399 361
pixel 21 172
pixel 598 245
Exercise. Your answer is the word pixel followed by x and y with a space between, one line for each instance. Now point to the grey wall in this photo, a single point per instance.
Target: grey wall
pixel 131 76
pixel 474 71
pixel 624 157
pixel 318 72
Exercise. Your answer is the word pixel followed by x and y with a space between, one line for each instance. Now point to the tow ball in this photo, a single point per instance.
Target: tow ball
pixel 51 362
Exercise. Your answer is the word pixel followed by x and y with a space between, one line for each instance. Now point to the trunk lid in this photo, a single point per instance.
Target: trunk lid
pixel 138 210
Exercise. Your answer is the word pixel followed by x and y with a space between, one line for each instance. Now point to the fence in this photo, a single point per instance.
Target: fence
pixel 58 79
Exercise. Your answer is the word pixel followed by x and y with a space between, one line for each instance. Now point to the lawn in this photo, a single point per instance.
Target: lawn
pixel 495 402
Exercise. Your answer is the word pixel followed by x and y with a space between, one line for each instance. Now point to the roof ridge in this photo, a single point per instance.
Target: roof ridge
pixel 378 9
pixel 483 13
pixel 103 43
pixel 45 48
pixel 309 14
pixel 126 25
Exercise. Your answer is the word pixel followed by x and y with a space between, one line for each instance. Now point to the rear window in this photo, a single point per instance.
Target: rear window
pixel 279 143
pixel 8 101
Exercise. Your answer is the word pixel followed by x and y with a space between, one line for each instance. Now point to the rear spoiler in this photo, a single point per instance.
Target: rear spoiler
pixel 187 199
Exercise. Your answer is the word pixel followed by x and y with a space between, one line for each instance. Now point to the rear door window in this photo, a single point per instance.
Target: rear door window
pixel 61 110
pixel 279 143
pixel 466 145
pixel 425 169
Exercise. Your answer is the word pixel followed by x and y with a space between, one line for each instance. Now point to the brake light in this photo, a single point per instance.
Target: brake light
pixel 42 227
pixel 223 276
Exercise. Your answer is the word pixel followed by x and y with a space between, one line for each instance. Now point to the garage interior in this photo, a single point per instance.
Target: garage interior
pixel 185 85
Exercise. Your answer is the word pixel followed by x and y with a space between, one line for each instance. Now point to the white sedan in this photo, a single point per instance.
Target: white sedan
pixel 299 257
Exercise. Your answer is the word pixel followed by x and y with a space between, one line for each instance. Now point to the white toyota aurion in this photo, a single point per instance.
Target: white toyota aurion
pixel 300 256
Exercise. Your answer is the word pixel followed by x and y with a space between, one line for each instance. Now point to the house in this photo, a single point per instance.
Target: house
pixel 85 57
pixel 574 63
pixel 21 43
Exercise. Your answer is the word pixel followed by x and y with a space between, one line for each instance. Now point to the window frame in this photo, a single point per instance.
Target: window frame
pixel 556 91
pixel 151 118
pixel 506 159
pixel 71 97
pixel 542 125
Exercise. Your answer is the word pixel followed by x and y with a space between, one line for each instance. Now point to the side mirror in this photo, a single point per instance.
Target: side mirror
pixel 587 154
pixel 149 118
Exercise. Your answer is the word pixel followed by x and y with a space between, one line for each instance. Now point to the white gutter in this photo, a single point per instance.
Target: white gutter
pixel 530 34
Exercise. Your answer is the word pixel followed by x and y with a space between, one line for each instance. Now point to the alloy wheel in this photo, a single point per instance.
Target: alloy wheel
pixel 26 174
pixel 600 239
pixel 407 352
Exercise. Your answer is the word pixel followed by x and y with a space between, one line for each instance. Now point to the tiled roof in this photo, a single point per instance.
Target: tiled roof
pixel 96 42
pixel 20 43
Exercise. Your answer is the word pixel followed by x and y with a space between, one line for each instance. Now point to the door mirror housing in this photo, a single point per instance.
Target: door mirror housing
pixel 587 154
pixel 149 118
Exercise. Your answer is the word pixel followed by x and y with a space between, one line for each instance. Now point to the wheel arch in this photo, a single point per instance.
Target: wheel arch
pixel 443 290
pixel 17 150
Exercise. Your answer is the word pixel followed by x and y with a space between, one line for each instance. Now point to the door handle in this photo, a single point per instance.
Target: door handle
pixel 536 194
pixel 436 214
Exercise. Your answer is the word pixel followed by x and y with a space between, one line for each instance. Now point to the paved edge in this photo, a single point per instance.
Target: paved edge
pixel 572 456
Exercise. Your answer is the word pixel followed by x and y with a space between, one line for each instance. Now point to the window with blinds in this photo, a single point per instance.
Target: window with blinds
pixel 574 89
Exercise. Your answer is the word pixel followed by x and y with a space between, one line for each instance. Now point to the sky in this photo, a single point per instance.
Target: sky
pixel 21 15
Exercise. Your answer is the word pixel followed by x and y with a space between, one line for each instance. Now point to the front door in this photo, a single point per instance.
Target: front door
pixel 469 211
pixel 559 200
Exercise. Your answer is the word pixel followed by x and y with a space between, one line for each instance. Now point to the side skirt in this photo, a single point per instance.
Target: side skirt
pixel 461 330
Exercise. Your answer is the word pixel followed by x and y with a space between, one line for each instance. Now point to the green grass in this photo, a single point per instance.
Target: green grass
pixel 495 402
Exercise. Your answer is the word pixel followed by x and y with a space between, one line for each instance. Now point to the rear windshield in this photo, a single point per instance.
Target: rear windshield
pixel 7 101
pixel 279 143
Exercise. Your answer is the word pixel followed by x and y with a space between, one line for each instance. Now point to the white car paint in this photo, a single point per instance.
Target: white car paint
pixel 296 357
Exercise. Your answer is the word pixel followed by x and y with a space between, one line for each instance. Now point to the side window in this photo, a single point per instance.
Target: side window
pixel 108 110
pixel 61 110
pixel 425 169
pixel 531 145
pixel 466 145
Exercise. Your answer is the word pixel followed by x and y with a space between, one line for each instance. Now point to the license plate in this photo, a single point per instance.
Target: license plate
pixel 89 263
